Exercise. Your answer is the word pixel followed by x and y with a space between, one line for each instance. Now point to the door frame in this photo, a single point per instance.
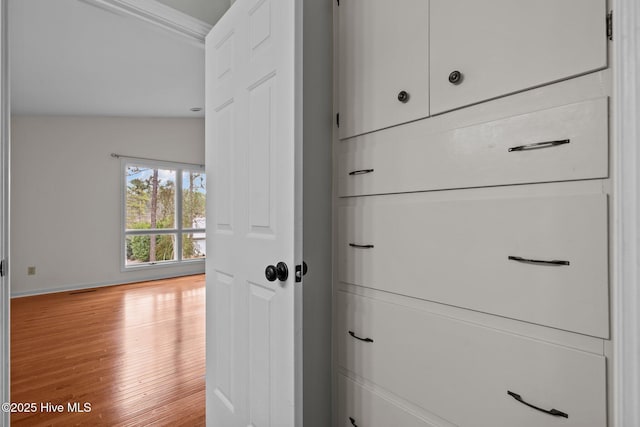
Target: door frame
pixel 626 221
pixel 4 214
pixel 5 353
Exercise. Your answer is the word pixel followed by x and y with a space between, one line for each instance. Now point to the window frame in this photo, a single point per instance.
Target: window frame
pixel 178 230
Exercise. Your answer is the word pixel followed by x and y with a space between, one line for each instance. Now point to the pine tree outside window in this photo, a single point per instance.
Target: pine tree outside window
pixel 164 214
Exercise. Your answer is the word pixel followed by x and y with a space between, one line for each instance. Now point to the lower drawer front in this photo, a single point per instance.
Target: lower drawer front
pixel 358 406
pixel 458 252
pixel 464 373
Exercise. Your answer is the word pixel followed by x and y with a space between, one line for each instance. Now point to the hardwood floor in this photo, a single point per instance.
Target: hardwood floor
pixel 135 353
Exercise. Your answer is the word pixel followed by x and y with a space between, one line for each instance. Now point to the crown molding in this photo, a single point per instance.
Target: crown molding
pixel 157 14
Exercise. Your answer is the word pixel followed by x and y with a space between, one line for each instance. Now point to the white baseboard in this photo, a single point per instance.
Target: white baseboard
pixel 82 286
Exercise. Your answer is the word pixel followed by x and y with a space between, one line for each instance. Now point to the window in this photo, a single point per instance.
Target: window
pixel 164 213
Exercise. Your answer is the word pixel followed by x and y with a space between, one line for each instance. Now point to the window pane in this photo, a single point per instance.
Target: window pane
pixel 149 249
pixel 194 245
pixel 193 199
pixel 150 199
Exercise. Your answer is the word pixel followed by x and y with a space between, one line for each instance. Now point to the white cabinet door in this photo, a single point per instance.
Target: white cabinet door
pixel 505 46
pixel 382 52
pixel 252 158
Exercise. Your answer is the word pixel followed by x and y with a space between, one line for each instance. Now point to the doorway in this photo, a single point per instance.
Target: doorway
pixel 95 81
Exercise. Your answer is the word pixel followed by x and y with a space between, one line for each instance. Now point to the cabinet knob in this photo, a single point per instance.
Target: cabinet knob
pixel 455 77
pixel 403 96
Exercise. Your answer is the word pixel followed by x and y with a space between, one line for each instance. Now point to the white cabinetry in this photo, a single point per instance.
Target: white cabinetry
pixel 383 65
pixel 538 259
pixel 464 372
pixel 403 60
pixel 505 46
pixel 472 232
pixel 563 143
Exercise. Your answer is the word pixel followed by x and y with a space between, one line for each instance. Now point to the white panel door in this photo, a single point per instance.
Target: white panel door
pixel 382 52
pixel 253 333
pixel 505 46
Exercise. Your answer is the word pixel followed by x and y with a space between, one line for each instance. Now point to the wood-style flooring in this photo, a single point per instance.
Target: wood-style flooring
pixel 135 353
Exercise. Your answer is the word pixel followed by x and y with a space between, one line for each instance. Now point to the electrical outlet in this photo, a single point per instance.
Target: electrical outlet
pixel 31 270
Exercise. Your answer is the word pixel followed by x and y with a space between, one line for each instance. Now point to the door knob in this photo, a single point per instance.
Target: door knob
pixel 403 97
pixel 455 77
pixel 271 273
pixel 280 272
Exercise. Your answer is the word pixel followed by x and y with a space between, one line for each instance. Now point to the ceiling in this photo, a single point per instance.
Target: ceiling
pixel 68 57
pixel 206 10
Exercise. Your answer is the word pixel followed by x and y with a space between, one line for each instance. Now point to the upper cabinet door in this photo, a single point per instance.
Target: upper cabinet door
pixel 485 49
pixel 383 55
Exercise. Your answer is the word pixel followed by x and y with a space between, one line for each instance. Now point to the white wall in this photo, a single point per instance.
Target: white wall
pixel 66 196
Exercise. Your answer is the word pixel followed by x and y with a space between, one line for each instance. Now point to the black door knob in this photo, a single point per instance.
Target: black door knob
pixel 455 77
pixel 403 97
pixel 282 271
pixel 271 273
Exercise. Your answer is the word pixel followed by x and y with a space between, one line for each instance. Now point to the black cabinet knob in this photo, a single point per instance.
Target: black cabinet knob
pixel 403 96
pixel 271 273
pixel 282 271
pixel 455 77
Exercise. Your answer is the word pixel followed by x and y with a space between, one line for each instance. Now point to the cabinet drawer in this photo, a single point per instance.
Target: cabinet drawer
pixel 506 46
pixel 457 252
pixel 408 158
pixel 357 406
pixel 463 372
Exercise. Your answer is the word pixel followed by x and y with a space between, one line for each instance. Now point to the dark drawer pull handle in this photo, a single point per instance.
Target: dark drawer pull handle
pixel 360 172
pixel 553 412
pixel 358 338
pixel 353 422
pixel 539 145
pixel 353 245
pixel 539 261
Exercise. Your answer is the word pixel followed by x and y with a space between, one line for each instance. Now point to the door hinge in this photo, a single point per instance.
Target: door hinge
pixel 338 2
pixel 3 269
pixel 610 25
pixel 338 119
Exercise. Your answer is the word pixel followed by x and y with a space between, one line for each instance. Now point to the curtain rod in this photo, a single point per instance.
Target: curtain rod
pixel 121 156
